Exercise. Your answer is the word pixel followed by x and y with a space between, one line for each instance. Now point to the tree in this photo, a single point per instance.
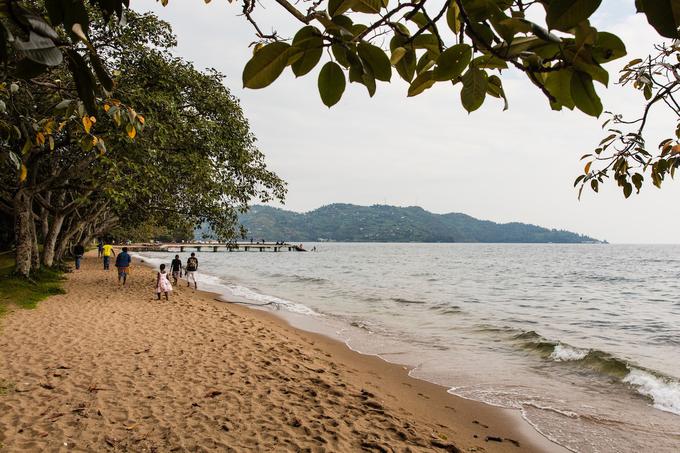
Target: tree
pixel 624 155
pixel 79 175
pixel 206 167
pixel 466 43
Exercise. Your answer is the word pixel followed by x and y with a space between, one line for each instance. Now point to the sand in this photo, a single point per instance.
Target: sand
pixel 109 368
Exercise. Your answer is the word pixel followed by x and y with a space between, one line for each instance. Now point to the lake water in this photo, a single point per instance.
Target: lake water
pixel 583 339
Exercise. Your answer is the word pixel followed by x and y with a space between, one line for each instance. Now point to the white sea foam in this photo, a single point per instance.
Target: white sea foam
pixel 154 261
pixel 265 299
pixel 240 293
pixel 665 393
pixel 565 353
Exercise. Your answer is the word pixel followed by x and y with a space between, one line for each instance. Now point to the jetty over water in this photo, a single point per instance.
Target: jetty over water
pixel 218 247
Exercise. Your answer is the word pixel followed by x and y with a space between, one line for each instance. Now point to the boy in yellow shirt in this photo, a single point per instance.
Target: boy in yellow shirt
pixel 107 252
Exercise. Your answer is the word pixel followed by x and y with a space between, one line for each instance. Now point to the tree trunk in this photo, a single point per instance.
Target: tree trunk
pixel 51 239
pixel 64 243
pixel 45 218
pixel 23 219
pixel 35 251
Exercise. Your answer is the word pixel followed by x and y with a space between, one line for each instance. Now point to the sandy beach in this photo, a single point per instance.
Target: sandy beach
pixel 109 368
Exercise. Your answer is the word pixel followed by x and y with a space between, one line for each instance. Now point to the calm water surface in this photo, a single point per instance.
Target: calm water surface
pixel 583 339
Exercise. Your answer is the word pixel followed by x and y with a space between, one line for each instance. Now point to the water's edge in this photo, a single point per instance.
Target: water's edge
pixel 302 322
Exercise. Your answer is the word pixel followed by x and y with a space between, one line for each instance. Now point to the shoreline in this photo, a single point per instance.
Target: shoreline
pixel 359 401
pixel 533 438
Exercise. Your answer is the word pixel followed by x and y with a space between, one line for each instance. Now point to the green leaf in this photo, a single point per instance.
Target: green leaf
pixel 489 61
pixel 558 84
pixel 426 62
pixel 475 83
pixel 565 14
pixel 417 18
pixel 308 40
pixel 337 7
pixel 481 32
pixel 480 10
pixel 101 72
pixel 406 66
pixel 584 95
pixel 608 47
pixel 367 6
pixel 397 55
pixel 266 65
pixel 594 184
pixel 627 189
pixel 637 179
pixel 427 41
pixel 340 54
pixel 376 59
pixel 452 62
pixel 369 82
pixel 359 75
pixel 495 89
pixel 39 49
pixel 421 83
pixel 84 80
pixel 453 17
pixel 331 83
pixel 663 15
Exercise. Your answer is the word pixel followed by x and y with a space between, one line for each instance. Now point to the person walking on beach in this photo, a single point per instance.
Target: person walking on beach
pixel 123 261
pixel 107 251
pixel 78 251
pixel 190 270
pixel 176 269
pixel 100 248
pixel 163 285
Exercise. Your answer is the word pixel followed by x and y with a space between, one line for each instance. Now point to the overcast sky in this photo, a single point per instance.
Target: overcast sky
pixel 517 165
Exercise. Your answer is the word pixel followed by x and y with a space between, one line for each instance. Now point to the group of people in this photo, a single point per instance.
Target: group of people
pixel 163 285
pixel 105 251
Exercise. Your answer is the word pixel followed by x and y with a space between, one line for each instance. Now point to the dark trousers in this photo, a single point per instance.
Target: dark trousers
pixel 107 259
pixel 78 258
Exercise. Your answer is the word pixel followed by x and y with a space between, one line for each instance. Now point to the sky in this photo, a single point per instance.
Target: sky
pixel 517 165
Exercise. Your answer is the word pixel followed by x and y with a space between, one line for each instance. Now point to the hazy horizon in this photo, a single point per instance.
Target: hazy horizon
pixel 427 151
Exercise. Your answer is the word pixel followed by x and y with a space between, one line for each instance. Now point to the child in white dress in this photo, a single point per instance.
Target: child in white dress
pixel 163 285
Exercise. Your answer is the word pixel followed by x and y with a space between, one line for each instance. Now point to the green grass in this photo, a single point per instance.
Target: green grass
pixel 23 293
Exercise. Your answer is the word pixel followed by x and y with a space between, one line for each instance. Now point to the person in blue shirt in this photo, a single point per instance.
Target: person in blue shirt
pixel 123 261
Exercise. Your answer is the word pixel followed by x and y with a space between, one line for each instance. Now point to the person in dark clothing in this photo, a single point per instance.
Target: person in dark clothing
pixel 100 248
pixel 78 251
pixel 123 261
pixel 176 268
pixel 190 270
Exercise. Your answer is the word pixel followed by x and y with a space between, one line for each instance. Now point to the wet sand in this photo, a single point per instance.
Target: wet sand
pixel 109 368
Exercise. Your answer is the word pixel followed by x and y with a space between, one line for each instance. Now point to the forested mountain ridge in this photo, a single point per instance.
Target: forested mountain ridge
pixel 381 223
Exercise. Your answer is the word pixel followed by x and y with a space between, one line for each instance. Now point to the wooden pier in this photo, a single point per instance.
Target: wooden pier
pixel 215 247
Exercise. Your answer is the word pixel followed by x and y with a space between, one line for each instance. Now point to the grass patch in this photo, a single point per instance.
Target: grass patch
pixel 23 293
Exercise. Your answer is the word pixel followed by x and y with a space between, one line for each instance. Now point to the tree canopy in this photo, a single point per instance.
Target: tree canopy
pixel 464 43
pixel 77 172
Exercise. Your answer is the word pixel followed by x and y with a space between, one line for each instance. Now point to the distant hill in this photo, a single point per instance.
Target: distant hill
pixel 380 223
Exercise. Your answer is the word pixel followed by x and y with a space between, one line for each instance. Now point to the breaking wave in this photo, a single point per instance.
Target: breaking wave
pixel 663 391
